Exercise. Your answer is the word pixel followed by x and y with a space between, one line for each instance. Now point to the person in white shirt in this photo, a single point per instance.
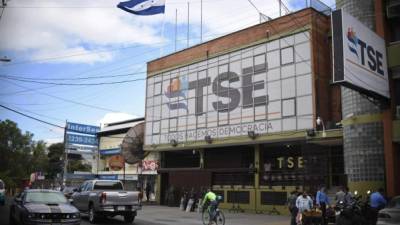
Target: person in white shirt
pixel 304 202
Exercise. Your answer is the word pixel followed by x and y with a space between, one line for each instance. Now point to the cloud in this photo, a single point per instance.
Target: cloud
pixel 50 141
pixel 41 29
pixel 116 117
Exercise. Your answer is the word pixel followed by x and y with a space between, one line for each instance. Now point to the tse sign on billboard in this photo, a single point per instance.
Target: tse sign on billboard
pixel 359 56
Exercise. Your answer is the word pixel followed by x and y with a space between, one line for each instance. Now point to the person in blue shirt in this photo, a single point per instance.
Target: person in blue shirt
pixel 322 201
pixel 377 202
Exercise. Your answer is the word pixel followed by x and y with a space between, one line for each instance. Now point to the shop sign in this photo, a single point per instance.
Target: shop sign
pixel 116 162
pixel 128 177
pixel 360 60
pixel 290 162
pixel 82 128
pixel 108 177
pixel 81 139
pixel 149 165
pixel 111 151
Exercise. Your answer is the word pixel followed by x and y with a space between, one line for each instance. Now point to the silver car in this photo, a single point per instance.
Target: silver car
pixel 390 214
pixel 43 207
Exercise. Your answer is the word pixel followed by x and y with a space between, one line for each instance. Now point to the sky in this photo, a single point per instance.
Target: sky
pixel 64 52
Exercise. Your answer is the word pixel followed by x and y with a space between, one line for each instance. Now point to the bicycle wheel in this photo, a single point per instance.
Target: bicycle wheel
pixel 205 217
pixel 220 218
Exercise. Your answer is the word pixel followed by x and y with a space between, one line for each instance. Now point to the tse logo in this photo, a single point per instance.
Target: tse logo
pixel 374 56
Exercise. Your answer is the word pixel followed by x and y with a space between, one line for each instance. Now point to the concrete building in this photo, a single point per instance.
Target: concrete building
pixel 239 113
pixel 254 114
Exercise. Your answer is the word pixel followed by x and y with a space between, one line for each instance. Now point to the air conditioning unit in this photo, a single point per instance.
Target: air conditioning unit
pixel 398 112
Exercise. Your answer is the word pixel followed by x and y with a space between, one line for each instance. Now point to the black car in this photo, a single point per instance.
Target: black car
pixel 38 206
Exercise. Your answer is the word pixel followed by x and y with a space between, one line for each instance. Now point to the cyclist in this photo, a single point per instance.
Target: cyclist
pixel 211 199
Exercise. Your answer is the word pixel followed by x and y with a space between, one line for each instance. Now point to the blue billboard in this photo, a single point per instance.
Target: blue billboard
pixel 81 139
pixel 82 128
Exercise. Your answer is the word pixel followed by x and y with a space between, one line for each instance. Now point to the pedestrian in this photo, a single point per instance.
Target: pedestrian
pixel 304 203
pixel 377 202
pixel 291 202
pixel 339 196
pixel 348 197
pixel 322 201
pixel 148 191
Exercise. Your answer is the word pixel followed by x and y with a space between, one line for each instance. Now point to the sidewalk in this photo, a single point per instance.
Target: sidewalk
pixel 174 216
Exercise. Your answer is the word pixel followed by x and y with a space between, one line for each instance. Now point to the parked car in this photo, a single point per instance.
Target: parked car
pixel 106 198
pixel 68 191
pixel 2 193
pixel 390 214
pixel 42 206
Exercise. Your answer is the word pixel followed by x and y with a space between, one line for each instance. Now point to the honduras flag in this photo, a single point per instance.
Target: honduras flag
pixel 143 7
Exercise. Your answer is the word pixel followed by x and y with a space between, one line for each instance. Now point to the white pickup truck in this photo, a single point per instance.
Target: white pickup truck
pixel 106 198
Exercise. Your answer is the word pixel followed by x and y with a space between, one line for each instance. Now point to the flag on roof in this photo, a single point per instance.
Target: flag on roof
pixel 143 7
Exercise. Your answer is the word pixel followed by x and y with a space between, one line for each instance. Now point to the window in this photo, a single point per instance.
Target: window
pixel 287 55
pixel 288 107
pixel 157 88
pixel 156 127
pixel 273 59
pixel 259 63
pixel 108 185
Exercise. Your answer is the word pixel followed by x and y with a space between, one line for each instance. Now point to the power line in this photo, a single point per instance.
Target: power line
pixel 67 100
pixel 31 117
pixel 75 84
pixel 76 78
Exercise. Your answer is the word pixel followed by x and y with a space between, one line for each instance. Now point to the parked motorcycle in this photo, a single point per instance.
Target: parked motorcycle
pixel 356 212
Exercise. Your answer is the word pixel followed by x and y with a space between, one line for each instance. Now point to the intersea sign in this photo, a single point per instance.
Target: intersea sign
pixel 82 128
pixel 81 139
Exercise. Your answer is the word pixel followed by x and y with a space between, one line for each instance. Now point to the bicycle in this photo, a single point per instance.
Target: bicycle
pixel 219 218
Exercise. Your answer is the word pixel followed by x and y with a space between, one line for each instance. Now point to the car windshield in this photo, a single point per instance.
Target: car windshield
pixel 108 185
pixel 45 197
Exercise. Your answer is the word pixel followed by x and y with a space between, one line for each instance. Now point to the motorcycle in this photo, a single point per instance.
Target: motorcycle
pixel 352 213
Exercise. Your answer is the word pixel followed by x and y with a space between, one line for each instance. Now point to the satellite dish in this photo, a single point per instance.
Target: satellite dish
pixel 132 144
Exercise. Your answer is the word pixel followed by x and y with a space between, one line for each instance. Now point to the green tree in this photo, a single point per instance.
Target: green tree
pixel 15 153
pixel 55 156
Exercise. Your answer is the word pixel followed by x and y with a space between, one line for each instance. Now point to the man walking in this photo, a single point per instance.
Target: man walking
pixel 322 201
pixel 303 203
pixel 378 202
pixel 292 206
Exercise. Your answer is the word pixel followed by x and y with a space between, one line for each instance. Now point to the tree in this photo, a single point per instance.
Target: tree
pixel 55 156
pixel 15 152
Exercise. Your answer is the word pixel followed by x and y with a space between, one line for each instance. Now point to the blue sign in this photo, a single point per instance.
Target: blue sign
pixel 82 128
pixel 81 139
pixel 108 177
pixel 80 176
pixel 111 151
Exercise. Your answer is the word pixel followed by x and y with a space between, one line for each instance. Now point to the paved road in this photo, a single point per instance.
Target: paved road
pixel 160 215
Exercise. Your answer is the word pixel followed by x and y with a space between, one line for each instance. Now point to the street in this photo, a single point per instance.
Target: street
pixel 161 215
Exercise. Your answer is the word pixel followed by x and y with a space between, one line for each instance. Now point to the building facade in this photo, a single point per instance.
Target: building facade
pixel 112 163
pixel 251 114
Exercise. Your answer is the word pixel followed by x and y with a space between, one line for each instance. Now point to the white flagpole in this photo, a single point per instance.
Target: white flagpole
pixel 201 21
pixel 176 26
pixel 162 36
pixel 188 25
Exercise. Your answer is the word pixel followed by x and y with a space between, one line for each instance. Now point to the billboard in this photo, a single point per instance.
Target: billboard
pixel 82 128
pixel 359 56
pixel 81 139
pixel 265 88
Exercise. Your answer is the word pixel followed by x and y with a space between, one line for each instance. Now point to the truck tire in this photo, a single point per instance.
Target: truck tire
pixel 129 218
pixel 92 215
